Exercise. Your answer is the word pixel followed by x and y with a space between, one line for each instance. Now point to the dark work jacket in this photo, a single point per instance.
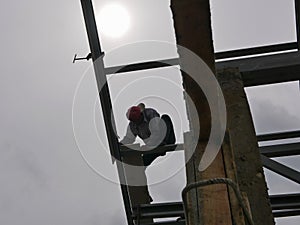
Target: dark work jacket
pixel 149 132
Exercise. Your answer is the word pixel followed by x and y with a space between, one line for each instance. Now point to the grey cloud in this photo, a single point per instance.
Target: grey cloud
pixel 274 118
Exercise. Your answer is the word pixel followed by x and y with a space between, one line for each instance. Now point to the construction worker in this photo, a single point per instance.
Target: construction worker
pixel 153 130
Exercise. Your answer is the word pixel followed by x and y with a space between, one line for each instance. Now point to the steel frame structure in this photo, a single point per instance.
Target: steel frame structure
pixel 258 70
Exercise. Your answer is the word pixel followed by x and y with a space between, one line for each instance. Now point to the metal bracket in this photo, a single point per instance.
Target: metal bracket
pixel 88 57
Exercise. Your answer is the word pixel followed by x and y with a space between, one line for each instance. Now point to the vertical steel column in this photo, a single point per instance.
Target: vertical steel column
pixel 297 18
pixel 105 100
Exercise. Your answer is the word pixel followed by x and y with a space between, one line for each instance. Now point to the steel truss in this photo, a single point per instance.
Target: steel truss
pixel 255 70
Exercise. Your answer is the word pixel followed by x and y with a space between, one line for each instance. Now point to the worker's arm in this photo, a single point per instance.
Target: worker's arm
pixel 158 132
pixel 129 137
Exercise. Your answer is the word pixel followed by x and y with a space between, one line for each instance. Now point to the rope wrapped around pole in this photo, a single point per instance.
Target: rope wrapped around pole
pixel 202 183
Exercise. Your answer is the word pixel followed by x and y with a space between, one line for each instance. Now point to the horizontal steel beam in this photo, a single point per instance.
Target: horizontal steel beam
pixel 142 66
pixel 254 71
pixel 134 149
pixel 269 69
pixel 285 201
pixel 271 75
pixel 256 50
pixel 286 213
pixel 280 150
pixel 282 206
pixel 281 169
pixel 159 210
pixel 278 136
pixel 218 55
pixel 262 62
pixel 176 222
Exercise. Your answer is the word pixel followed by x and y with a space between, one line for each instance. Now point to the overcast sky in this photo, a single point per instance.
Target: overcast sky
pixel 44 177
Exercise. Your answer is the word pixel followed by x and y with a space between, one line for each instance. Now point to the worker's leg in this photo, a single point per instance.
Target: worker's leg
pixel 135 178
pixel 168 140
pixel 149 158
pixel 170 135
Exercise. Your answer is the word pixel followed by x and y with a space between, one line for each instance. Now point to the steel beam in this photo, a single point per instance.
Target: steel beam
pixel 177 222
pixel 297 19
pixel 142 66
pixel 286 213
pixel 262 62
pixel 97 57
pixel 283 205
pixel 159 210
pixel 278 136
pixel 258 70
pixel 127 150
pixel 270 69
pixel 256 50
pixel 281 169
pixel 104 95
pixel 280 150
pixel 271 75
pixel 285 201
pixel 255 71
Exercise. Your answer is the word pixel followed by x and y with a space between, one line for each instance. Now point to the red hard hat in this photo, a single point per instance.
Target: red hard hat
pixel 134 114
